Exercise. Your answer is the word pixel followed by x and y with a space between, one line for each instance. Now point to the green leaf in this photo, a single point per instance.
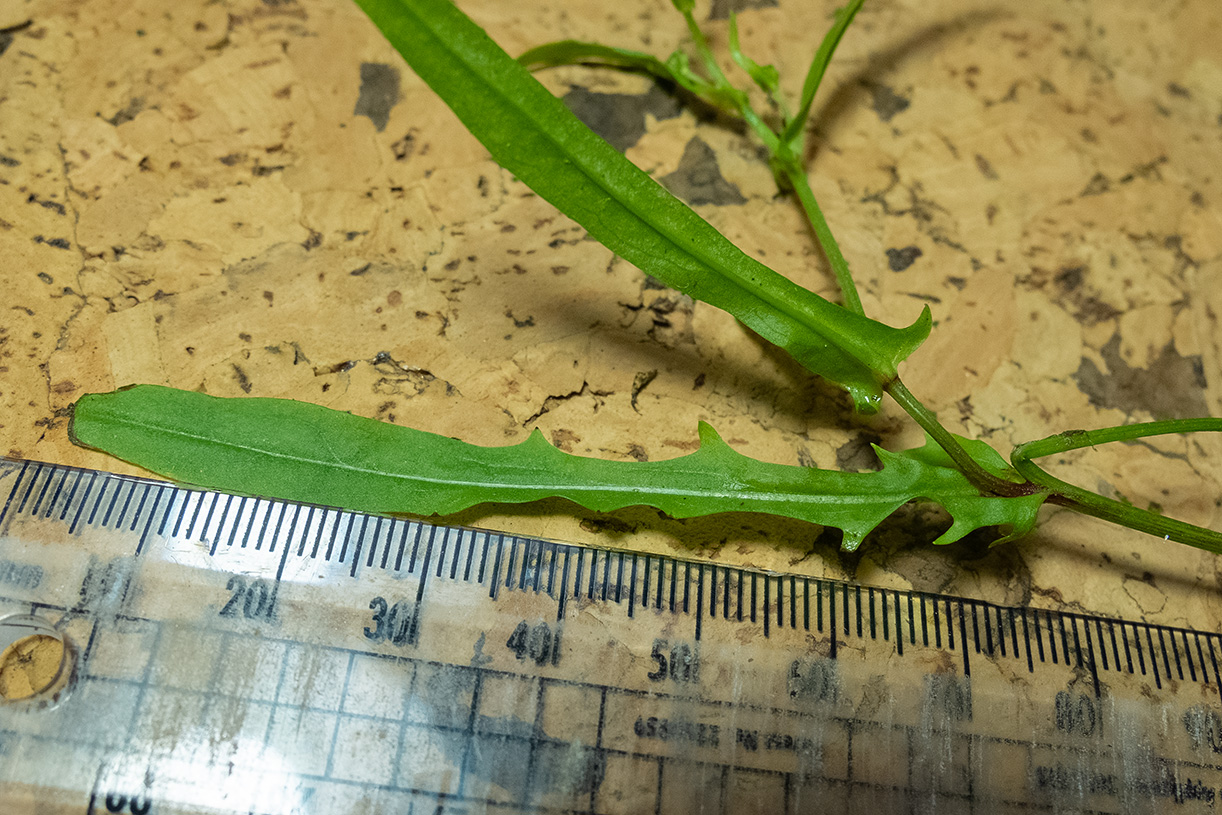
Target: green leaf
pixel 765 76
pixel 1016 513
pixel 720 96
pixel 302 452
pixel 576 52
pixel 984 455
pixel 675 69
pixel 814 75
pixel 533 135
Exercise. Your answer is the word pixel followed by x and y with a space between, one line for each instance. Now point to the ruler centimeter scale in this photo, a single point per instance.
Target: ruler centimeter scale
pixel 228 654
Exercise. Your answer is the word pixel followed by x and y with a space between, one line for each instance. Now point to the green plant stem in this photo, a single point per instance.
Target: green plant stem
pixel 980 477
pixel 785 159
pixel 1077 439
pixel 703 49
pixel 1108 509
pixel 764 76
pixel 722 87
pixel 823 233
pixel 784 148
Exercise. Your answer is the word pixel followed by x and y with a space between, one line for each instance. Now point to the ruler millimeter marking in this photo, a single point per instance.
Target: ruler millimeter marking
pixel 674 667
pixel 629 581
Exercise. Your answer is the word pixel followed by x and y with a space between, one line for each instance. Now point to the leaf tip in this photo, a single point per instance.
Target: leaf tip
pixel 79 410
pixel 866 400
pixel 72 437
pixel 918 332
pixel 708 435
pixel 537 441
pixel 851 541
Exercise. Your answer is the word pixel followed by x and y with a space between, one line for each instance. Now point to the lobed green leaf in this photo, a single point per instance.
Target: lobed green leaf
pixel 297 451
pixel 1019 517
pixel 533 135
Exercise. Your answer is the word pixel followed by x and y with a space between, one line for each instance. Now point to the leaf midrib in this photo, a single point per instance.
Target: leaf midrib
pixel 758 498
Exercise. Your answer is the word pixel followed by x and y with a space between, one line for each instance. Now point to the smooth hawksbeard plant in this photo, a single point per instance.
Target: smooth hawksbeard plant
pixel 298 451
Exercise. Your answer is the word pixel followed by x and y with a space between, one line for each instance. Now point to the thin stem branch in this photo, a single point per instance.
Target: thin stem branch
pixel 764 76
pixel 1108 509
pixel 781 146
pixel 704 50
pixel 1077 439
pixel 981 478
pixel 823 233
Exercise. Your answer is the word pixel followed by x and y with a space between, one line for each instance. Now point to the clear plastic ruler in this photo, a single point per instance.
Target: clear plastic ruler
pixel 169 650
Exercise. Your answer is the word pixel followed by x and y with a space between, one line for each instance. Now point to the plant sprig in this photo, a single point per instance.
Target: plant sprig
pixel 264 446
pixel 531 132
pixel 785 144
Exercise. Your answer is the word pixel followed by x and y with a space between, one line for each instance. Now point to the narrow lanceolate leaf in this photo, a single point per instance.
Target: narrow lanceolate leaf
pixel 302 452
pixel 818 66
pixel 533 135
pixel 574 52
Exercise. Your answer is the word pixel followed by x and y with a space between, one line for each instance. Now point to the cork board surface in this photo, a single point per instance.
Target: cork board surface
pixel 259 198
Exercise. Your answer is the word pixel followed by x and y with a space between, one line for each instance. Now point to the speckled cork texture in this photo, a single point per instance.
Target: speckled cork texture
pixel 259 198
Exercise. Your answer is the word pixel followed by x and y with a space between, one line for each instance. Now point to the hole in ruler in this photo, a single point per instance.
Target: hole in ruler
pixel 35 660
